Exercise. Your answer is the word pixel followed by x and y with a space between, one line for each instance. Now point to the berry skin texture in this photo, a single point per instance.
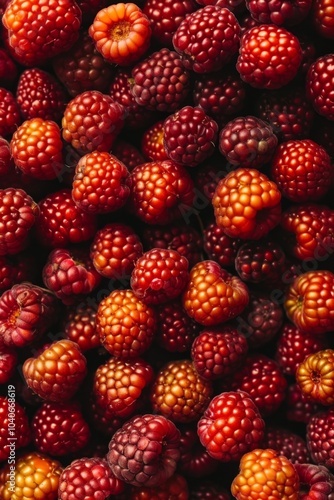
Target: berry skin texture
pixel 189 136
pixel 218 352
pixel 309 302
pixel 269 56
pixel 159 275
pixel 287 443
pixel 125 324
pixel 18 212
pixel 36 476
pixel 282 13
pixel 61 223
pixel 10 117
pixel 69 273
pixel 323 19
pixel 213 295
pixel 247 142
pixel 319 85
pixel 230 426
pixel 99 183
pixel 161 192
pixel 37 148
pixel 79 325
pixel 88 477
pixel 121 32
pixel 161 82
pixel 320 439
pixel 115 249
pixel 265 474
pixel 41 29
pixel 145 450
pixel 179 392
pixel 199 50
pixel 119 385
pixel 247 204
pixel 302 170
pixel 57 372
pixel 40 95
pixel 317 480
pixel 314 375
pixel 92 121
pixel 59 429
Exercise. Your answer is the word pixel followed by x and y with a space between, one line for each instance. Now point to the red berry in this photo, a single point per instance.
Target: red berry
pixel 10 117
pixel 160 81
pixel 195 462
pixel 213 295
pixel 314 376
pixel 161 192
pixel 189 136
pixel 282 13
pixel 316 480
pixel 61 223
pixel 84 477
pixel 59 429
pixel 193 39
pixel 218 352
pixel 269 56
pixel 287 443
pixel 15 426
pixel 121 32
pixel 18 213
pixel 125 324
pixel 99 183
pixel 92 121
pixel 152 142
pixel 57 372
pixel 80 326
pixel 319 84
pixel 8 362
pixel 38 30
pixel 37 149
pixel 127 153
pixel 247 204
pixel 322 17
pixel 115 249
pixel 220 247
pixel 302 170
pixel 69 273
pixel 40 95
pixel 159 275
pixel 320 439
pixel 231 426
pixel 145 450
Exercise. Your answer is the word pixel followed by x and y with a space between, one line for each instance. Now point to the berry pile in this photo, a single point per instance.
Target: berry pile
pixel 166 250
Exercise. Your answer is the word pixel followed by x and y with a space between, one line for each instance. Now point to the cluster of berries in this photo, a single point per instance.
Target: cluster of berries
pixel 166 250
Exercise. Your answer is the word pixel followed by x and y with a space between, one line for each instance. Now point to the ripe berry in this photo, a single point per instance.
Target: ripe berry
pixel 39 30
pixel 14 424
pixel 61 223
pixel 115 249
pixel 283 13
pixel 315 480
pixel 125 324
pixel 302 170
pixel 145 450
pixel 159 275
pixel 92 121
pixel 218 352
pixel 84 477
pixel 19 213
pixel 32 468
pixel 247 142
pixel 269 56
pixel 309 302
pixel 59 429
pixel 220 247
pixel 268 473
pixel 8 361
pixel 320 439
pixel 200 52
pixel 121 32
pixel 287 443
pixel 79 324
pixel 189 136
pixel 10 117
pixel 40 95
pixel 37 149
pixel 152 142
pixel 299 408
pixel 161 192
pixel 323 18
pixel 195 462
pixel 165 17
pixel 230 426
pixel 179 392
pixel 314 376
pixel 319 84
pixel 99 183
pixel 247 204
pixel 57 372
pixel 160 81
